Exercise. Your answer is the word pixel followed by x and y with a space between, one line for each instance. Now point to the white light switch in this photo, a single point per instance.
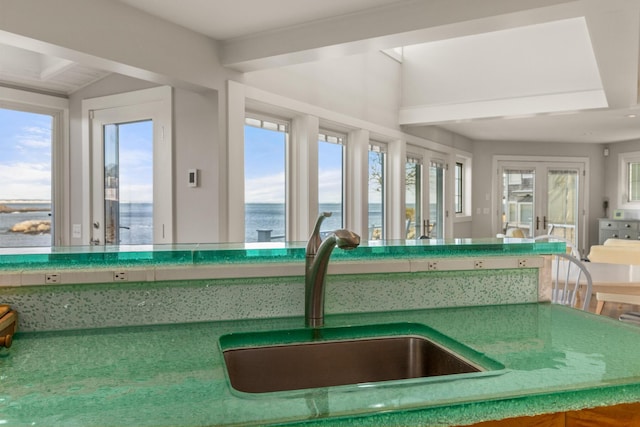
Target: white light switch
pixel 77 231
pixel 193 178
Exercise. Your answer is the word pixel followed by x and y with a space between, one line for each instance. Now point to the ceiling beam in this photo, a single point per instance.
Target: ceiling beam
pixel 400 24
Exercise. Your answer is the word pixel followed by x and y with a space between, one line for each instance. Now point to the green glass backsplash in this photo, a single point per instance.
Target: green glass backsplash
pixel 195 254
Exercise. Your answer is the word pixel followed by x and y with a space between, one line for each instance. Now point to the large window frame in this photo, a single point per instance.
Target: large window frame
pixel 330 136
pixel 306 123
pixel 275 124
pixel 58 109
pixel 463 163
pixel 625 180
pixel 375 231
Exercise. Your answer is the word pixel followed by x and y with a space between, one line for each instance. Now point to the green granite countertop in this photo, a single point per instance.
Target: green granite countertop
pixel 239 253
pixel 554 359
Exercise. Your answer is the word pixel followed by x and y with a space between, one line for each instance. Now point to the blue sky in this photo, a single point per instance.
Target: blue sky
pixel 25 158
pixel 25 162
pixel 25 155
pixel 265 165
pixel 136 162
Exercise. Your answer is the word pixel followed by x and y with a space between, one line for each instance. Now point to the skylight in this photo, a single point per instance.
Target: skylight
pixel 536 69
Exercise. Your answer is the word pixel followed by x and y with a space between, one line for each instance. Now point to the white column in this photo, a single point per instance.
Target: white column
pixel 357 180
pixel 234 197
pixel 302 178
pixel 396 213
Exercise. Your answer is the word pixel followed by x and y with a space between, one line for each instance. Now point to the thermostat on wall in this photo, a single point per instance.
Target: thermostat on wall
pixel 193 178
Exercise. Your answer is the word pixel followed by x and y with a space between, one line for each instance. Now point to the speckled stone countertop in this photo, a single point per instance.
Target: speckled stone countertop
pixel 554 359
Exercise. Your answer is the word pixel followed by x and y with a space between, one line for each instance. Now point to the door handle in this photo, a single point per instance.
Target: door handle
pixel 537 223
pixel 544 222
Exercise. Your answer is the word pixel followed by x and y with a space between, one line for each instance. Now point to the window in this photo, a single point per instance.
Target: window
pixel 377 158
pixel 265 148
pixel 413 197
pixel 459 188
pixel 634 181
pixel 331 178
pixel 629 180
pixel 26 175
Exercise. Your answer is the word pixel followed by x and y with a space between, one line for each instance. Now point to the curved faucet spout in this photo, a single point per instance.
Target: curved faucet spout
pixel 316 271
pixel 315 240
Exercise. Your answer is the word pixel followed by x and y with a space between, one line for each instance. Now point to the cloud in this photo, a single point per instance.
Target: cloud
pixel 265 189
pixel 330 186
pixel 23 180
pixel 34 137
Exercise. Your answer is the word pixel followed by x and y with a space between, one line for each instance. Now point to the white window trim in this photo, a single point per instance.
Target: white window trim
pixel 58 108
pixel 623 179
pixel 467 208
pixel 306 121
pixel 161 97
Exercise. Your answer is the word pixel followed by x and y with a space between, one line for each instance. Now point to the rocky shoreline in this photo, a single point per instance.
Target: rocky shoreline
pixel 8 209
pixel 34 226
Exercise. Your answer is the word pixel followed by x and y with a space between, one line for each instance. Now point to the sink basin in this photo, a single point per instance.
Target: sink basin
pixel 298 360
pixel 333 363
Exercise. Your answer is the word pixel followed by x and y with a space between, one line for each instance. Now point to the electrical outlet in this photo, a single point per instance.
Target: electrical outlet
pixel 52 278
pixel 522 263
pixel 433 265
pixel 478 264
pixel 119 276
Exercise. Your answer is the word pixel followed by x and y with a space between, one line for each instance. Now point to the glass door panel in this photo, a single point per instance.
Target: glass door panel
pixel 542 198
pixel 111 185
pixel 413 199
pixel 435 227
pixel 561 217
pixel 128 183
pixel 518 197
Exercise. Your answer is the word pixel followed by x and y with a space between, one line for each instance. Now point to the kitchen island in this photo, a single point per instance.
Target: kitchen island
pixel 555 359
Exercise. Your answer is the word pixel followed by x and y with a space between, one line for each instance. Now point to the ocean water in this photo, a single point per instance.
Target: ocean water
pixel 137 224
pixel 271 216
pixel 8 220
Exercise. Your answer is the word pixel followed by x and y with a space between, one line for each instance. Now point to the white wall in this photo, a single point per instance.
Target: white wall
pixel 484 151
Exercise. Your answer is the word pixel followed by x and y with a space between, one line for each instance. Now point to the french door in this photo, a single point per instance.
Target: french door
pixel 132 178
pixel 542 198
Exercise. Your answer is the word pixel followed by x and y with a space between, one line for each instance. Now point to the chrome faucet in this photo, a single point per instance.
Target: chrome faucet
pixel 317 261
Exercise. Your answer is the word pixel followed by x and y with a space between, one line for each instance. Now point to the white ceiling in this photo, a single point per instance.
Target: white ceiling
pixel 511 60
pixel 227 19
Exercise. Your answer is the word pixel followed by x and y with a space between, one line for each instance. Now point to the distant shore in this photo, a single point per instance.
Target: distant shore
pixel 9 209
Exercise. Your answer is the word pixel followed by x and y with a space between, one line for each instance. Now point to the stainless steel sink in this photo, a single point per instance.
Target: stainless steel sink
pixel 307 365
